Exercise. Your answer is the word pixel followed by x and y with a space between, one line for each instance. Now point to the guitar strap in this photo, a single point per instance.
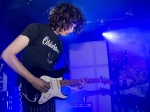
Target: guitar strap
pixel 65 59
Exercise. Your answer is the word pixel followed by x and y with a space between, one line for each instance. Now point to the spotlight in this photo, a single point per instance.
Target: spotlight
pixel 108 35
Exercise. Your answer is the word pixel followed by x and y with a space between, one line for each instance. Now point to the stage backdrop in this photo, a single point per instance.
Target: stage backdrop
pixel 129 65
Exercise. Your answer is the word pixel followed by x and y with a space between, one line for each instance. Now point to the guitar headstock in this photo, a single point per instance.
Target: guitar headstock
pixel 105 80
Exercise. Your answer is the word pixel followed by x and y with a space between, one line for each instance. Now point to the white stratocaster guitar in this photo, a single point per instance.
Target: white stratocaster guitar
pixel 35 97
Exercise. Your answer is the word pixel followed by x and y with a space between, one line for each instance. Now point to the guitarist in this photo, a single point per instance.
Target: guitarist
pixel 42 48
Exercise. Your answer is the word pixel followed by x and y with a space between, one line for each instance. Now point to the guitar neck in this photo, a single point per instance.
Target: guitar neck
pixel 76 82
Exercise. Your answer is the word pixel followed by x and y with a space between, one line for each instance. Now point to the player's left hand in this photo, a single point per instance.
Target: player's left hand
pixel 82 84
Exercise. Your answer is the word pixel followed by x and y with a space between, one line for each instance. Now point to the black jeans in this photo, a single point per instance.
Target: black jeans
pixel 49 106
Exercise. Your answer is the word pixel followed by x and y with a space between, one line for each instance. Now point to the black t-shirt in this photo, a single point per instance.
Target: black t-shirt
pixel 44 48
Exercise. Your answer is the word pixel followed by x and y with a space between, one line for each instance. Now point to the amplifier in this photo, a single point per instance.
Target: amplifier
pixel 80 107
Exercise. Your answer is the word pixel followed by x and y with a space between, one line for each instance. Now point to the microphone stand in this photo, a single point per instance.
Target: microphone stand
pixel 115 78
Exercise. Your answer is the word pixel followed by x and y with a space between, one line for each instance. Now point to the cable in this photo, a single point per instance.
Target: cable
pixel 20 99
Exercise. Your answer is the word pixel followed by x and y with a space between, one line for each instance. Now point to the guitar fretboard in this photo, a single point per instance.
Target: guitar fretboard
pixel 77 81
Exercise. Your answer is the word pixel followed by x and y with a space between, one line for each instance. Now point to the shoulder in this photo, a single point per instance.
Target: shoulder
pixel 38 25
pixel 32 25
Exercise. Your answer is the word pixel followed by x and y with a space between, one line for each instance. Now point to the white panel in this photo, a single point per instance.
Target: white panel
pixel 105 103
pixel 82 72
pixel 81 54
pixel 103 71
pixel 90 59
pixel 101 52
pixel 93 99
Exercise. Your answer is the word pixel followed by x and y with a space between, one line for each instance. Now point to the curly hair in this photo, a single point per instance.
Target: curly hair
pixel 63 15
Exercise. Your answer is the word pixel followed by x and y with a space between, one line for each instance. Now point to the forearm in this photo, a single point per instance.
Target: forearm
pixel 16 65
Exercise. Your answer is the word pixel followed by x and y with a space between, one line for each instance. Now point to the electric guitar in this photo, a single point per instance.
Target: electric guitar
pixel 35 97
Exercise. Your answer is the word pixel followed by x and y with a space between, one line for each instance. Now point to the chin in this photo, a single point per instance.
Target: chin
pixel 64 34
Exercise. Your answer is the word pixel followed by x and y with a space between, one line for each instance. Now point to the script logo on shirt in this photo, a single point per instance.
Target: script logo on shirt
pixel 49 43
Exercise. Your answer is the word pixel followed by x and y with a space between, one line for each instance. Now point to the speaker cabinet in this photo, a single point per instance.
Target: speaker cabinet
pixel 82 107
